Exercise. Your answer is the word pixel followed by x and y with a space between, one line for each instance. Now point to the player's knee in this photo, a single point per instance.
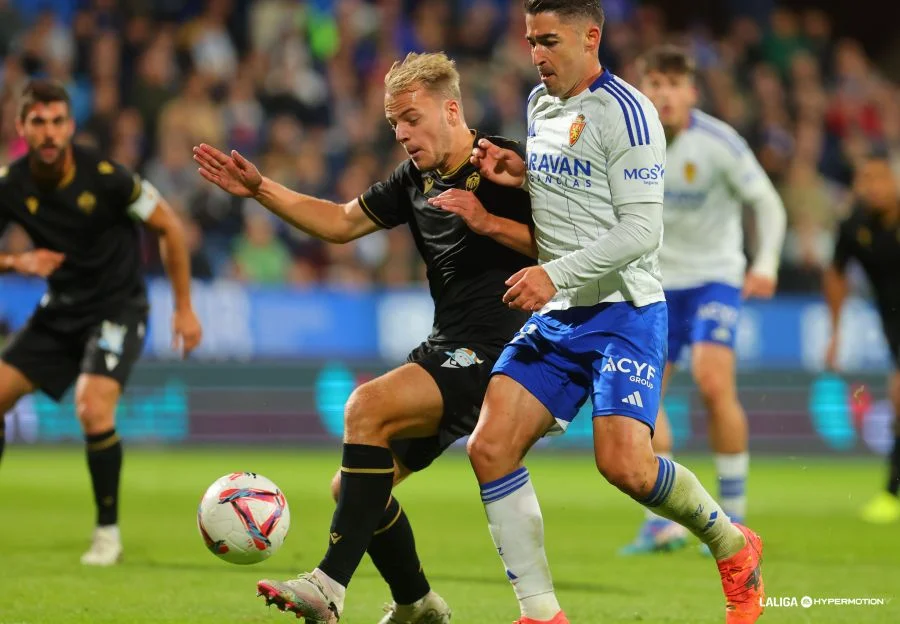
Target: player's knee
pixel 713 383
pixel 484 452
pixel 365 416
pixel 622 469
pixel 94 413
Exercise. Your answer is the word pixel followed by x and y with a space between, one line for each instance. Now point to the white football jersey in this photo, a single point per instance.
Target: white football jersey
pixel 711 173
pixel 587 156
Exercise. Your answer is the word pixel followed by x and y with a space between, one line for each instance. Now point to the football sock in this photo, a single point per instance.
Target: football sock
pixel 648 513
pixel 517 528
pixel 678 495
pixel 393 551
pixel 104 458
pixel 367 476
pixel 893 485
pixel 732 470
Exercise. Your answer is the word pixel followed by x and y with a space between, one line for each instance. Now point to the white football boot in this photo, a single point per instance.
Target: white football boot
pixel 106 547
pixel 429 610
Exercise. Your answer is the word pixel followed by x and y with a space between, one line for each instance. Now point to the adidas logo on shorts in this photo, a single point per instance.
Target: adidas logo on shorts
pixel 634 399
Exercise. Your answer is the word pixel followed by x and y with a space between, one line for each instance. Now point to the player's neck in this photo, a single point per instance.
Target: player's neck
pixel 460 151
pixel 53 175
pixel 584 83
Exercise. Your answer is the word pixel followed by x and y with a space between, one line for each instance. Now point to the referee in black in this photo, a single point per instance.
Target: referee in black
pixel 871 236
pixel 82 213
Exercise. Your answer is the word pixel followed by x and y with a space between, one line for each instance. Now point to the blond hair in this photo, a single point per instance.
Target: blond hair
pixel 434 71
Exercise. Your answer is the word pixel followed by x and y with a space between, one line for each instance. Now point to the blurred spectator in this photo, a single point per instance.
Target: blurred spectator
pixel 298 87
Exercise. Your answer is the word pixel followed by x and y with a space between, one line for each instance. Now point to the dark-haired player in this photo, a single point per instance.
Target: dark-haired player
pixel 871 236
pixel 82 213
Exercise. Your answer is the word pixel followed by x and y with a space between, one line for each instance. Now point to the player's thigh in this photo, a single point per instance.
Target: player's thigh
pixel 13 386
pixel 96 397
pixel 46 359
pixel 662 433
pixel 713 369
pixel 512 419
pixel 404 402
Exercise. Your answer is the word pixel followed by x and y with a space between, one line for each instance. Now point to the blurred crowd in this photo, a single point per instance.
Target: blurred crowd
pixel 298 88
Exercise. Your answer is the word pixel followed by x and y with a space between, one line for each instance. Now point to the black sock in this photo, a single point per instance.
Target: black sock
pixel 393 551
pixel 367 475
pixel 894 478
pixel 104 457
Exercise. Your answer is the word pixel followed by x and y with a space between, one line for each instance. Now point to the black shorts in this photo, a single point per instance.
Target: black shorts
pixel 462 373
pixel 53 360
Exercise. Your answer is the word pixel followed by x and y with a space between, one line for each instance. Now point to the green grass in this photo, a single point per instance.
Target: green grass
pixel 804 509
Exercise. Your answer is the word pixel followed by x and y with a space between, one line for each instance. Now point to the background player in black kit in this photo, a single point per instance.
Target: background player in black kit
pixel 871 235
pixel 80 212
pixel 414 412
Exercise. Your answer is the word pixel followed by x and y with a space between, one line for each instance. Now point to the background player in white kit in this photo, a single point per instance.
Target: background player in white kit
pixel 595 165
pixel 710 174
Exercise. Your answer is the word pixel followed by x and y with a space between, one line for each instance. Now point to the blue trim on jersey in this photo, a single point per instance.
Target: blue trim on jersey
pixel 533 93
pixel 630 96
pixel 733 143
pixel 604 77
pixel 625 112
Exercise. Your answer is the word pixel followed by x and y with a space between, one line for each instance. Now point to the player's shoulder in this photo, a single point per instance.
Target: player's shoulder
pixel 714 131
pixel 619 105
pixel 537 96
pixel 13 172
pixel 91 162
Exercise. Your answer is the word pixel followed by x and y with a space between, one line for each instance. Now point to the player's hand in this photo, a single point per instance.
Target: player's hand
pixel 186 331
pixel 530 289
pixel 38 262
pixel 234 174
pixel 831 353
pixel 498 164
pixel 468 207
pixel 758 286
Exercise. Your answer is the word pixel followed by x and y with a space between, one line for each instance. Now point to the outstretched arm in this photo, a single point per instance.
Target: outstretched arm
pixel 326 220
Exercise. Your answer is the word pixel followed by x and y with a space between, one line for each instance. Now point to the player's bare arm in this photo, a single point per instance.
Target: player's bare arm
pixel 512 234
pixel 36 262
pixel 836 289
pixel 186 329
pixel 498 164
pixel 326 220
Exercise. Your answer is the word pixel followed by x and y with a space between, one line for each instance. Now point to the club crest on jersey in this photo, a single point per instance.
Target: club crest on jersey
pixel 461 358
pixel 472 182
pixel 690 171
pixel 32 204
pixel 86 202
pixel 428 183
pixel 575 129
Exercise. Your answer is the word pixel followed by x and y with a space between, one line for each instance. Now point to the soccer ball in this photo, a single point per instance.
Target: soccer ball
pixel 243 518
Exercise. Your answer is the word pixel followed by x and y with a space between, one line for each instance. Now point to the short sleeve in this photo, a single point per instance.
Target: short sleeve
pixel 122 187
pixel 746 177
pixel 387 203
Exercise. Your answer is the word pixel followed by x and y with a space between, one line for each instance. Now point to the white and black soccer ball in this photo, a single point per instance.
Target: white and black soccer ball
pixel 243 518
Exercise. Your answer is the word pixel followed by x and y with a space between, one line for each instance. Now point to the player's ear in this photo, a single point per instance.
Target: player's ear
pixel 592 37
pixel 20 126
pixel 453 112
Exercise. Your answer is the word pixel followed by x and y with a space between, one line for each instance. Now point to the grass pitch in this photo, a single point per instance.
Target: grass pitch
pixel 803 508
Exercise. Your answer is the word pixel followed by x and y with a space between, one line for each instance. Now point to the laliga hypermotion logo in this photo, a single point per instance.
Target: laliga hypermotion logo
pixel 575 129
